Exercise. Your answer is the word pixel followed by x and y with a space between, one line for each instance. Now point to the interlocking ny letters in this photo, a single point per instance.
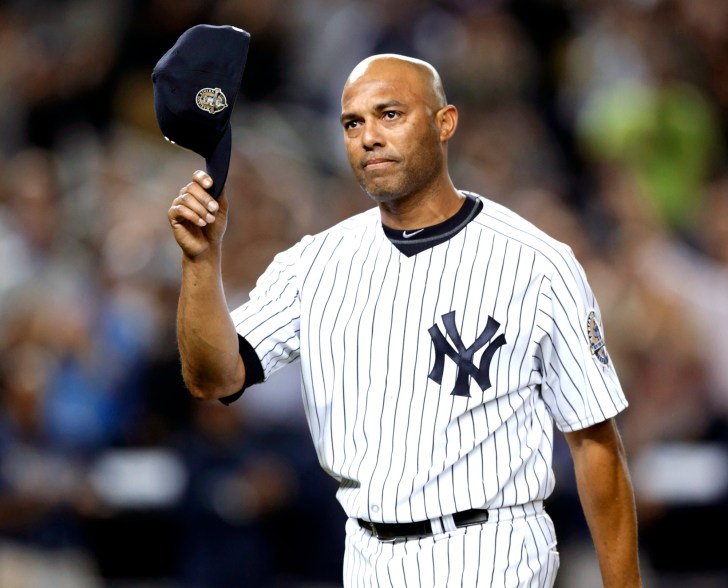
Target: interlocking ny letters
pixel 463 357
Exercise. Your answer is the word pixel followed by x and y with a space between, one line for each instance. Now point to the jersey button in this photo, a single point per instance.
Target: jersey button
pixel 374 507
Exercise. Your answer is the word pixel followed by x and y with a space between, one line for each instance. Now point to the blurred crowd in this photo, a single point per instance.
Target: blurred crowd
pixel 602 121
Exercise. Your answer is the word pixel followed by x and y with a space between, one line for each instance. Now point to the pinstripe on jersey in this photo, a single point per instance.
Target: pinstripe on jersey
pixel 357 312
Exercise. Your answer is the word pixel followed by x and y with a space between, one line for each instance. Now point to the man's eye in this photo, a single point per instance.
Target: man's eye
pixel 390 114
pixel 352 124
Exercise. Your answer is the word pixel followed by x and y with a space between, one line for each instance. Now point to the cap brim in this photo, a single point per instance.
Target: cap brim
pixel 218 163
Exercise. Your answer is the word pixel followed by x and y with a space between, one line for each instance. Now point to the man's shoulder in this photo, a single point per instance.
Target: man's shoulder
pixel 357 223
pixel 505 223
pixel 512 225
pixel 346 231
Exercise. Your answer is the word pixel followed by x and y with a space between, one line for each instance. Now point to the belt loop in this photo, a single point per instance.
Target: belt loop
pixel 437 525
pixel 448 523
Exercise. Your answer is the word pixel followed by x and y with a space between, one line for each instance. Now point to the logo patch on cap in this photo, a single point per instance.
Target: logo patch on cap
pixel 596 338
pixel 211 100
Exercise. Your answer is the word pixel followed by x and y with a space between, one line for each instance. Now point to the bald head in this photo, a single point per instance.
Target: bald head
pixel 422 77
pixel 397 124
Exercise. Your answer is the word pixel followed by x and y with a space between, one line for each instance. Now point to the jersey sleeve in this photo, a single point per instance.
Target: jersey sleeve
pixel 579 382
pixel 269 320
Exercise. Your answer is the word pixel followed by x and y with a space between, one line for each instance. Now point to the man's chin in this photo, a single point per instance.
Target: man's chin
pixel 380 194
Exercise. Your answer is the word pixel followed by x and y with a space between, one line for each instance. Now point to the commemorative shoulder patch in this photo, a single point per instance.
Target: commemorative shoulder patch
pixel 596 338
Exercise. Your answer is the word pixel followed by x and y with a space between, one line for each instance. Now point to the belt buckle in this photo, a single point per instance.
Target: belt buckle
pixel 376 534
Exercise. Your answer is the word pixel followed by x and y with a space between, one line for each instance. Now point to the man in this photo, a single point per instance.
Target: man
pixel 440 337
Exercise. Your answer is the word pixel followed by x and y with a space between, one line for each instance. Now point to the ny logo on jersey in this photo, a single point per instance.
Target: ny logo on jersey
pixel 463 357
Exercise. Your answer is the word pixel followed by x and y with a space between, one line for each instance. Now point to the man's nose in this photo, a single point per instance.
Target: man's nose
pixel 371 136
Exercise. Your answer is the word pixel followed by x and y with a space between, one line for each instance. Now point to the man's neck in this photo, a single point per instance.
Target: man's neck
pixel 422 210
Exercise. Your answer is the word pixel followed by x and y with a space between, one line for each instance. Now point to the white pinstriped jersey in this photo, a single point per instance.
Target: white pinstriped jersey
pixel 388 406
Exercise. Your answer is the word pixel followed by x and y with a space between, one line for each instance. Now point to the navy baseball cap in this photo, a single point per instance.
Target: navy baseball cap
pixel 195 86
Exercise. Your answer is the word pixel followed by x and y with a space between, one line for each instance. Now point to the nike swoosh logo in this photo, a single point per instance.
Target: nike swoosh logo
pixel 407 235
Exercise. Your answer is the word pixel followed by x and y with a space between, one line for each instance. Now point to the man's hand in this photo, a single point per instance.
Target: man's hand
pixel 198 220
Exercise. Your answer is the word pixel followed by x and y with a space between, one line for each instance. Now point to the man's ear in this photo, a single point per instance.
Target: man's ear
pixel 447 121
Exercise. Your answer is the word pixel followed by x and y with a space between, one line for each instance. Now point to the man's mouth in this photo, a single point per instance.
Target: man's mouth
pixel 377 163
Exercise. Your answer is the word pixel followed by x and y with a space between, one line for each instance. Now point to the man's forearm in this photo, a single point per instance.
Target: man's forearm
pixel 208 343
pixel 612 521
pixel 606 495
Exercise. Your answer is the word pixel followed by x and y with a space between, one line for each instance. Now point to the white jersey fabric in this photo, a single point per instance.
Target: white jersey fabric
pixel 431 383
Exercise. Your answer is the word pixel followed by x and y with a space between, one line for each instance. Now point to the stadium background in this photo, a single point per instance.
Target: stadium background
pixel 603 121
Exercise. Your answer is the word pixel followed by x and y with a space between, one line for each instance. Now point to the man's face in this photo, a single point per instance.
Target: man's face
pixel 390 133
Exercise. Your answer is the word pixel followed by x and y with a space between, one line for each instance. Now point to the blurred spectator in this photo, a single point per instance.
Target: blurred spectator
pixel 43 494
pixel 244 509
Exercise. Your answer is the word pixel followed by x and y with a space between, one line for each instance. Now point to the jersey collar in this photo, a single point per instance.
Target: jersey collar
pixel 413 241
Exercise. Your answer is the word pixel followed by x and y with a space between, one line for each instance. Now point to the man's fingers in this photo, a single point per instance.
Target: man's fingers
pixel 178 214
pixel 193 203
pixel 197 189
pixel 203 179
pixel 189 208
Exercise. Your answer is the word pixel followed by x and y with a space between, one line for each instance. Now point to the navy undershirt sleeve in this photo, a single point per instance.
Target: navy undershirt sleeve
pixel 253 370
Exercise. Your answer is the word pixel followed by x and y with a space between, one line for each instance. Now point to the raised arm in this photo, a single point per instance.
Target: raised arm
pixel 208 344
pixel 607 498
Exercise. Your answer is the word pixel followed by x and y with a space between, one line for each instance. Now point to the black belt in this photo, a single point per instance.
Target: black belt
pixel 391 531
